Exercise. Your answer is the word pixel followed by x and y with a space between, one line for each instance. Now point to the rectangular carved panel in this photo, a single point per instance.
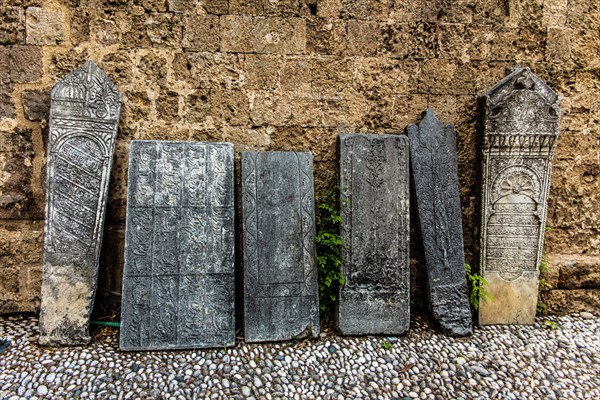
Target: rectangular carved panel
pixel 520 119
pixel 84 115
pixel 178 277
pixel 281 299
pixel 374 205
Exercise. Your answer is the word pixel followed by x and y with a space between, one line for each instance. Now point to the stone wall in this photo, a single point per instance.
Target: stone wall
pixel 291 75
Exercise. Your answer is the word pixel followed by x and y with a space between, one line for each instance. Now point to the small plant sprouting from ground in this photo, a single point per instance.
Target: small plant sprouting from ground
pixel 477 288
pixel 329 250
pixel 550 325
pixel 386 345
pixel 540 308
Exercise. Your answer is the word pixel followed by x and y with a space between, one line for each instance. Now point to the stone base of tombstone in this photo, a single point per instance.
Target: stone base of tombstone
pixel 366 313
pixel 68 298
pixel 515 306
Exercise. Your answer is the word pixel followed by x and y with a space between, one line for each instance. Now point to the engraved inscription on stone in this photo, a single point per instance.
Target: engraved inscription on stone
pixel 84 116
pixel 178 277
pixel 374 206
pixel 434 167
pixel 520 117
pixel 281 299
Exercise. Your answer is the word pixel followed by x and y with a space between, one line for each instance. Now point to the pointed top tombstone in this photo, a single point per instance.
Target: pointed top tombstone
pixel 86 93
pixel 84 115
pixel 519 124
pixel 435 171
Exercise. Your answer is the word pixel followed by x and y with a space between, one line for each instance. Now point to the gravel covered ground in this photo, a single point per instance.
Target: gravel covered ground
pixel 557 358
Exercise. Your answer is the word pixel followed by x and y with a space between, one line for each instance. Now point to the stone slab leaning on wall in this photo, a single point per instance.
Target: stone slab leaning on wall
pixel 281 298
pixel 374 207
pixel 178 278
pixel 519 126
pixel 434 168
pixel 84 116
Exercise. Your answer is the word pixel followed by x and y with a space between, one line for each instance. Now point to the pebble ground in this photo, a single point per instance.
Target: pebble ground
pixel 557 358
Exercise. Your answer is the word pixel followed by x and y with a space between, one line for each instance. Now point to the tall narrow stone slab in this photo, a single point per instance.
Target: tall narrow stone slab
pixel 281 299
pixel 435 174
pixel 178 277
pixel 84 115
pixel 374 206
pixel 519 124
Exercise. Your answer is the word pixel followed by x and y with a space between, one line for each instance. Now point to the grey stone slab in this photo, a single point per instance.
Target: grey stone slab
pixel 434 168
pixel 281 298
pixel 178 277
pixel 374 207
pixel 519 127
pixel 84 115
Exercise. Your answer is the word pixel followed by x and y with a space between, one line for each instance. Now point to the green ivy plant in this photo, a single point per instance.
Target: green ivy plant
pixel 329 249
pixel 477 288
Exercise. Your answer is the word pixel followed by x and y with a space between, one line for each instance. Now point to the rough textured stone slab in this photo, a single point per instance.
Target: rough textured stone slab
pixel 374 205
pixel 178 277
pixel 519 124
pixel 281 299
pixel 434 167
pixel 84 115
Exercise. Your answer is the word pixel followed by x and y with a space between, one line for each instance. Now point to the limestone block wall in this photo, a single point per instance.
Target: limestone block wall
pixel 291 75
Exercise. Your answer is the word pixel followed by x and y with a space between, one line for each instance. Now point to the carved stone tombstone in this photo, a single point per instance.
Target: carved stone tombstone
pixel 178 277
pixel 519 123
pixel 84 116
pixel 374 207
pixel 281 299
pixel 435 171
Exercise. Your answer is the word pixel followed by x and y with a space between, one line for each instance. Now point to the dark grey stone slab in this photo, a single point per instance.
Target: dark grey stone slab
pixel 178 277
pixel 435 171
pixel 281 298
pixel 84 116
pixel 519 126
pixel 374 206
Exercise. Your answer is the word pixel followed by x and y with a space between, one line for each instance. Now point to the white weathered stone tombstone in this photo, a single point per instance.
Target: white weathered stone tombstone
pixel 281 298
pixel 178 277
pixel 519 124
pixel 374 206
pixel 84 115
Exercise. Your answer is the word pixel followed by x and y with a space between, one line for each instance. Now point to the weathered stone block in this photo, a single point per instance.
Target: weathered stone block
pixel 365 9
pixel 374 206
pixel 281 299
pixel 178 277
pixel 575 271
pixel 434 168
pixel 245 34
pixel 519 125
pixel 25 63
pixel 12 25
pixel 264 7
pixel 563 302
pixel 269 108
pixel 36 104
pixel 150 30
pixel 201 32
pixel 325 36
pixel 16 171
pixel 364 38
pixel 84 117
pixel 45 27
pixel 7 105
